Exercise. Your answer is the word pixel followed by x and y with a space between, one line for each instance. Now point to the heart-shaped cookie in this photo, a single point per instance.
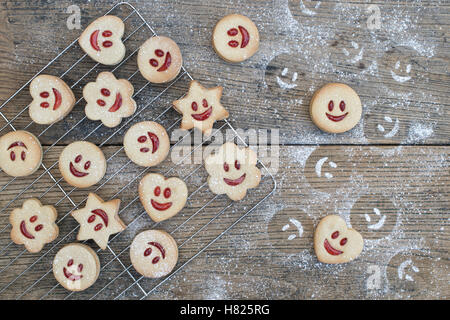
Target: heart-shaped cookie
pixel 162 198
pixel 102 40
pixel 335 243
pixel 52 99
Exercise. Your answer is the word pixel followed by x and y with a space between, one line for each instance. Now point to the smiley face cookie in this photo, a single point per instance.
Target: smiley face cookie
pixel 162 198
pixel 235 38
pixel 82 164
pixel 335 108
pixel 76 267
pixel 201 107
pixel 146 143
pixel 334 242
pixel 109 99
pixel 98 220
pixel 33 225
pixel 159 59
pixel 102 40
pixel 20 153
pixel 232 170
pixel 52 99
pixel 154 253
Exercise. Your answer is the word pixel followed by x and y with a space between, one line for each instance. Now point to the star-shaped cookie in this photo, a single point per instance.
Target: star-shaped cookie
pixel 201 107
pixel 98 220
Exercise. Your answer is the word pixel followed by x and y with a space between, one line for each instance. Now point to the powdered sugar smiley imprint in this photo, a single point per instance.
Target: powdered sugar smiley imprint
pixel 102 40
pixel 82 164
pixel 154 253
pixel 109 99
pixel 146 143
pixel 33 225
pixel 162 198
pixel 98 220
pixel 76 267
pixel 52 99
pixel 232 170
pixel 235 38
pixel 159 59
pixel 334 242
pixel 20 153
pixel 335 108
pixel 201 107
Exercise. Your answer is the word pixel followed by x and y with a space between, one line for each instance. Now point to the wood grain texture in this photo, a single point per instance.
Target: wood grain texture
pixel 404 175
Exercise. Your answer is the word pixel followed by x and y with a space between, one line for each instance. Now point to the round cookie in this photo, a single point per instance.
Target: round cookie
pixel 162 198
pixel 334 242
pixel 33 225
pixel 335 108
pixel 159 59
pixel 76 267
pixel 20 153
pixel 146 143
pixel 154 253
pixel 102 40
pixel 235 38
pixel 82 164
pixel 52 99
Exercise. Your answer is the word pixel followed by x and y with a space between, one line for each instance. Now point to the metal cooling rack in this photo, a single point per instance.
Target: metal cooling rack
pixel 210 210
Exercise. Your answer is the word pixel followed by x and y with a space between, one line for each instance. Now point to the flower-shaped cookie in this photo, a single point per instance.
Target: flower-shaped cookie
pixel 33 225
pixel 98 220
pixel 201 107
pixel 232 170
pixel 109 99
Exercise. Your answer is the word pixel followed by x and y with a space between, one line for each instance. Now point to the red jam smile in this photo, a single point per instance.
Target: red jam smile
pixel 77 173
pixel 235 182
pixel 24 231
pixel 94 40
pixel 161 206
pixel 336 118
pixel 330 249
pixel 203 116
pixel 117 103
pixel 58 99
pixel 167 63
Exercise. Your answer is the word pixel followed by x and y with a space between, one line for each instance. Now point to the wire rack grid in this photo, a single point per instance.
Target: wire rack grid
pixel 209 214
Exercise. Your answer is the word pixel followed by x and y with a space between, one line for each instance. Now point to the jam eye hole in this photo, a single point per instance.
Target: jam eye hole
pixel 157 191
pixel 204 103
pixel 70 262
pixel 232 32
pixel 80 267
pixel 167 193
pixel 87 165
pixel 142 139
pixel 343 242
pixel 33 218
pixel 78 158
pixel 342 105
pixel 105 92
pixel 226 167
pixel 194 106
pixel 237 165
pixel 335 234
pixel 159 53
pixel 330 105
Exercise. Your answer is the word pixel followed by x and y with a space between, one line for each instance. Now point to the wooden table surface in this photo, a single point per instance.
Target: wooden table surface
pixel 391 175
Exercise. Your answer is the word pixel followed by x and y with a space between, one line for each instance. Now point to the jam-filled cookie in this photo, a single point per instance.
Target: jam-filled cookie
pixel 154 253
pixel 334 242
pixel 76 267
pixel 232 170
pixel 201 107
pixel 33 225
pixel 159 59
pixel 109 99
pixel 52 99
pixel 335 108
pixel 82 164
pixel 20 153
pixel 146 143
pixel 235 38
pixel 102 40
pixel 98 220
pixel 162 198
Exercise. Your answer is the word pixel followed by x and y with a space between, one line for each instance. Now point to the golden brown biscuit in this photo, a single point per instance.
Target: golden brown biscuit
pixel 334 242
pixel 235 38
pixel 33 225
pixel 335 108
